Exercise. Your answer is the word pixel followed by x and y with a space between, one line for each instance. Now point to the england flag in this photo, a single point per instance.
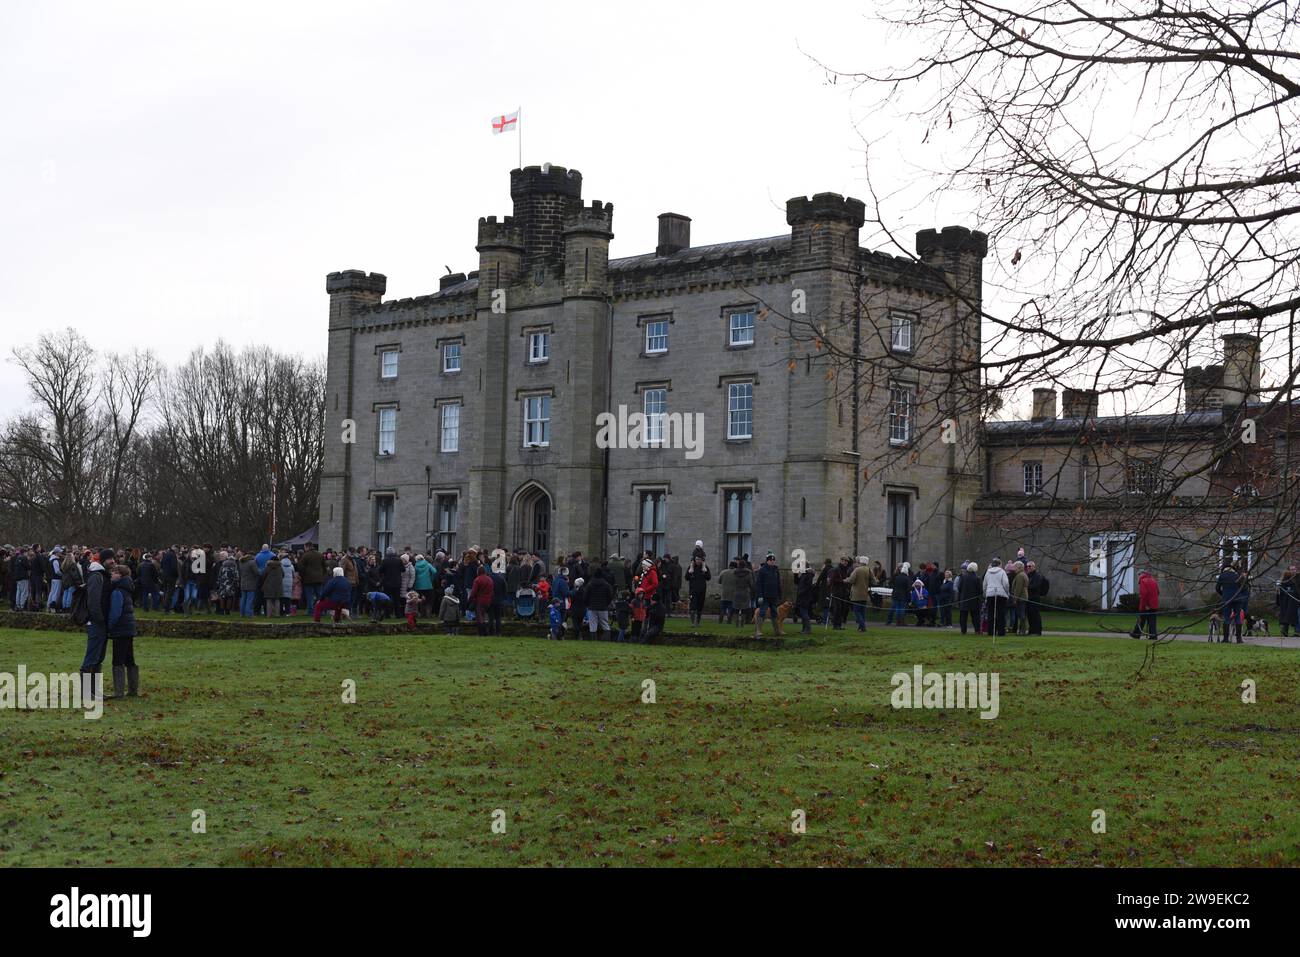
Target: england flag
pixel 505 124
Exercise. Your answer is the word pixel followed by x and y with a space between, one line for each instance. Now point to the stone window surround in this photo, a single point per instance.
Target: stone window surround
pixel 438 405
pixel 915 321
pixel 380 350
pixel 739 378
pixel 727 311
pixel 527 332
pixel 643 320
pixel 376 408
pixel 442 354
pixel 524 393
pixel 898 382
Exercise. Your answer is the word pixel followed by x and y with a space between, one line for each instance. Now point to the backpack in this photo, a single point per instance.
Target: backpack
pixel 80 611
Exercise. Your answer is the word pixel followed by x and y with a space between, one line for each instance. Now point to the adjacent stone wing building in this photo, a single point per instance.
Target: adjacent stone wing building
pixel 1094 499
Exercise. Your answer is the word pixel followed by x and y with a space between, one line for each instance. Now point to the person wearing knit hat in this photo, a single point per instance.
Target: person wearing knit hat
pixel 449 610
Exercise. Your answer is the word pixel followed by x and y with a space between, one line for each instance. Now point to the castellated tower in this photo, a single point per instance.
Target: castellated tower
pixel 349 291
pixel 587 232
pixel 544 271
pixel 544 198
pixel 957 254
pixel 824 268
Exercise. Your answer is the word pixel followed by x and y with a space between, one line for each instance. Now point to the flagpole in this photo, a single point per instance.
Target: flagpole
pixel 519 126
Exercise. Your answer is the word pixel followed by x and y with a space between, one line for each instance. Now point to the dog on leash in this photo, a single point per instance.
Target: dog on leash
pixel 783 611
pixel 1256 627
pixel 1216 627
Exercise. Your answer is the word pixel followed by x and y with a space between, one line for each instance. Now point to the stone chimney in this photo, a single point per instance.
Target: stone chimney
pixel 1240 368
pixel 451 279
pixel 1201 388
pixel 1079 404
pixel 1044 404
pixel 674 234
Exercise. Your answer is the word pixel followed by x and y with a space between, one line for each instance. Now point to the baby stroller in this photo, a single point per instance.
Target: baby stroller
pixel 525 603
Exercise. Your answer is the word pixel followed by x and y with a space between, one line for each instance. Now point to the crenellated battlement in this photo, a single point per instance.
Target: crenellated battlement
pixel 952 239
pixel 356 280
pixel 548 179
pixel 825 207
pixel 596 218
pixel 505 232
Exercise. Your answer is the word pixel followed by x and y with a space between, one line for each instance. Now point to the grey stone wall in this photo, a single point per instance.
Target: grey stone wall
pixel 799 463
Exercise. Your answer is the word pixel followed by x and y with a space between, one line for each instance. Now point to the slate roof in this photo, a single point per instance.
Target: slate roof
pixel 692 254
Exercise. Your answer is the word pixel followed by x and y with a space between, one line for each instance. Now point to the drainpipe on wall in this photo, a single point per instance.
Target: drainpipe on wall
pixel 609 399
pixel 428 495
pixel 950 531
pixel 858 282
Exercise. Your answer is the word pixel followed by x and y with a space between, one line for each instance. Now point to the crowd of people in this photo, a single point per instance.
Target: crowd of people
pixel 614 598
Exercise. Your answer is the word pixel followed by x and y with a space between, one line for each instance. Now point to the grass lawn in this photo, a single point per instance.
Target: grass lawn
pixel 446 730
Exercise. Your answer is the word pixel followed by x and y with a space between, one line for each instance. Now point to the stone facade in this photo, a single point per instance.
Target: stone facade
pixel 759 326
pixel 1094 499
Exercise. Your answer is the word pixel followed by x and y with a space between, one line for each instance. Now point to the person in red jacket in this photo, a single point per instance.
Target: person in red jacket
pixel 649 580
pixel 1148 605
pixel 480 598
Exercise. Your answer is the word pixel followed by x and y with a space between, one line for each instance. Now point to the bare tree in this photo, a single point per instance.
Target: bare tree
pixel 118 448
pixel 1135 167
pixel 46 457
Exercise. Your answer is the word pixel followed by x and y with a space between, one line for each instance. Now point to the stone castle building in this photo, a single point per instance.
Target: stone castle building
pixel 476 408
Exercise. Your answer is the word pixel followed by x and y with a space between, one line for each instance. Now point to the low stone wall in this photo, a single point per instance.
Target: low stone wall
pixel 238 629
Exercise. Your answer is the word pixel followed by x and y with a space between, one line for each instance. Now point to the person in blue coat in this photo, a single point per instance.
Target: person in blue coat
pixel 560 587
pixel 121 631
pixel 336 596
pixel 919 598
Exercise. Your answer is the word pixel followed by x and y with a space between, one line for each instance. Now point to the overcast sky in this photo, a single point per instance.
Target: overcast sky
pixel 172 173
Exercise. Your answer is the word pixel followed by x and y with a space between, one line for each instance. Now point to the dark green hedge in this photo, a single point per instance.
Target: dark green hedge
pixel 241 629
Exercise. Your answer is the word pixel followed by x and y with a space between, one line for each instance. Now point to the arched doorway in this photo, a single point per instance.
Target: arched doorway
pixel 532 510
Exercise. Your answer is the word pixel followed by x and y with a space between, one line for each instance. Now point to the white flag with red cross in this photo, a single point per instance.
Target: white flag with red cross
pixel 506 124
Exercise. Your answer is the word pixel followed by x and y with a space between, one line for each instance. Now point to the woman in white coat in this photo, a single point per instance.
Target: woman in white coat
pixel 286 585
pixel 997 589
